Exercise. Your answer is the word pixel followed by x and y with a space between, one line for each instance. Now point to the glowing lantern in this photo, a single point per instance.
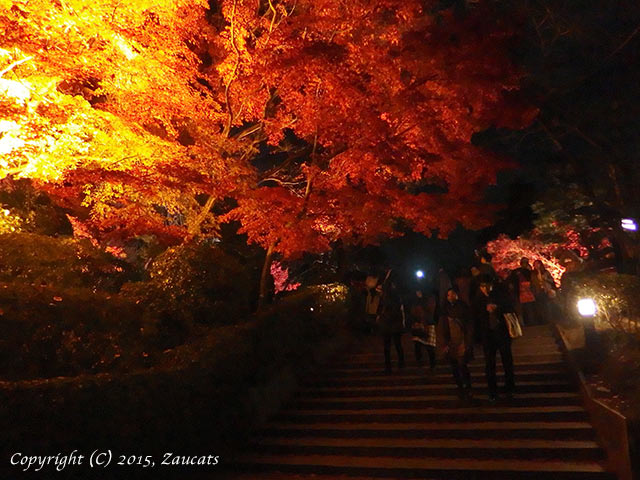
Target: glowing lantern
pixel 587 307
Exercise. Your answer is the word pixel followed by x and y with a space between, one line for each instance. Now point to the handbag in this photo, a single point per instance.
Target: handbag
pixel 513 325
pixel 418 330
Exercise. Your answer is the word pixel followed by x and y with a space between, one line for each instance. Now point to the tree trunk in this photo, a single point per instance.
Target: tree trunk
pixel 266 268
pixel 194 228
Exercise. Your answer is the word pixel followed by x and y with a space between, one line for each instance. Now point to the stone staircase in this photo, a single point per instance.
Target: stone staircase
pixel 351 420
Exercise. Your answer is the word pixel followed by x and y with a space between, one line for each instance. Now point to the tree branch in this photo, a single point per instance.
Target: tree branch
pixel 14 65
pixel 628 39
pixel 194 228
pixel 227 129
pixel 279 182
pixel 273 18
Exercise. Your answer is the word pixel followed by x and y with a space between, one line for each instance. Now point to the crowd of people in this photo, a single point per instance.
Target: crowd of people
pixel 476 309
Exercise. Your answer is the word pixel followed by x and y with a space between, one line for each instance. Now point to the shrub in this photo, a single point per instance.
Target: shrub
pixel 209 392
pixel 305 316
pixel 60 262
pixel 50 332
pixel 190 284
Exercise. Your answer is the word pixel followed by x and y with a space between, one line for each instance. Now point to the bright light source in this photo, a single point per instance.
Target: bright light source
pixel 311 309
pixel 420 274
pixel 587 307
pixel 629 224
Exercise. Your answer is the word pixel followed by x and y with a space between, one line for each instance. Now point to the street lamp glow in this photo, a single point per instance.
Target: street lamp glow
pixel 420 274
pixel 587 307
pixel 629 224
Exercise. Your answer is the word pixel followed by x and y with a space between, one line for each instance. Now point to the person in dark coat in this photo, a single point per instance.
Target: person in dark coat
pixel 486 268
pixel 457 333
pixel 462 282
pixel 391 322
pixel 422 315
pixel 443 282
pixel 489 308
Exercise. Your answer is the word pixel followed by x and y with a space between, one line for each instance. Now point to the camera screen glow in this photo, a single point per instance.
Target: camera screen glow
pixel 629 224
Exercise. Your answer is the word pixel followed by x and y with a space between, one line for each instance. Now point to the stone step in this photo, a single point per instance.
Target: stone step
pixel 416 390
pixel 376 342
pixel 424 378
pixel 440 430
pixel 351 420
pixel 424 372
pixel 521 361
pixel 429 467
pixel 530 365
pixel 441 448
pixel 523 349
pixel 426 415
pixel 431 400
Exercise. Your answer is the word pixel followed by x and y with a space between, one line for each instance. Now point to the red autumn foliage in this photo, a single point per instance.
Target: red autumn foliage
pixel 507 252
pixel 128 114
pixel 389 96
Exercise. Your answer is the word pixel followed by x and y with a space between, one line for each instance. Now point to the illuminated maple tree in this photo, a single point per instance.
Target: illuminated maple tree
pixel 281 280
pixel 104 105
pixel 323 120
pixel 386 98
pixel 506 254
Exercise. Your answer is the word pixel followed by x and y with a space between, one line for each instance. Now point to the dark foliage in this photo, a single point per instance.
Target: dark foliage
pixel 192 284
pixel 50 331
pixel 59 262
pixel 208 393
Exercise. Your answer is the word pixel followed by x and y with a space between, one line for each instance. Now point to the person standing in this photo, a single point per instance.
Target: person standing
pixel 423 327
pixel 489 308
pixel 544 289
pixel 474 285
pixel 522 292
pixel 372 302
pixel 391 322
pixel 486 268
pixel 443 282
pixel 462 282
pixel 457 329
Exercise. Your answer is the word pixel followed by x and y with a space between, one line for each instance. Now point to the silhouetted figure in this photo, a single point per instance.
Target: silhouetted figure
pixel 443 283
pixel 372 302
pixel 391 322
pixel 489 308
pixel 544 289
pixel 423 326
pixel 458 339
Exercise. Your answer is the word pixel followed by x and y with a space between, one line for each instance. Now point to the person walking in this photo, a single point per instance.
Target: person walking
pixel 457 333
pixel 423 326
pixel 489 308
pixel 391 321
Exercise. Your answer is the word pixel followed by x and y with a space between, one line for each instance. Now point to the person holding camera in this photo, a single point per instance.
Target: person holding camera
pixel 490 306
